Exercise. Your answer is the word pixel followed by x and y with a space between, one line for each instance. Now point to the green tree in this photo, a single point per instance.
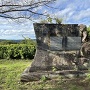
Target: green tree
pixel 58 20
pixel 28 41
pixel 49 19
pixel 88 30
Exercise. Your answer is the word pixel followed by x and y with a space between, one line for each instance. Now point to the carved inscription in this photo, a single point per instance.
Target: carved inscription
pixel 56 43
pixel 73 43
pixel 60 43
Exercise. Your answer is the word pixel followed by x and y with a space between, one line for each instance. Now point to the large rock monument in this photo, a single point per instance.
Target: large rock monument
pixel 57 51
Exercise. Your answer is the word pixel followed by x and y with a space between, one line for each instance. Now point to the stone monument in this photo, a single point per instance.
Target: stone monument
pixel 57 47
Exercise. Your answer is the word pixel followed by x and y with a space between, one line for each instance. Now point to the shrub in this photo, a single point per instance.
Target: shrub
pixel 17 51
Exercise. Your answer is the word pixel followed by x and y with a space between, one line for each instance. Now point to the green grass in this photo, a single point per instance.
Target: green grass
pixel 10 71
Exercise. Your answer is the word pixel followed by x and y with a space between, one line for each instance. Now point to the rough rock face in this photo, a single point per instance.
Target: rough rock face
pixel 85 50
pixel 56 50
pixel 83 32
pixel 84 54
pixel 83 59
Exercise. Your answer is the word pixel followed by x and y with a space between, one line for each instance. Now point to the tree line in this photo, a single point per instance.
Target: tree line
pixel 24 41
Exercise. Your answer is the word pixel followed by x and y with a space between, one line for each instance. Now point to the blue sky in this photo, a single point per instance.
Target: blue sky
pixel 72 12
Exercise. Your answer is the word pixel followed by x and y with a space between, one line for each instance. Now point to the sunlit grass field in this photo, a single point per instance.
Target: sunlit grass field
pixel 10 71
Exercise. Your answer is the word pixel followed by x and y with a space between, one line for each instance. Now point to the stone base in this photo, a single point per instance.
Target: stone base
pixel 35 76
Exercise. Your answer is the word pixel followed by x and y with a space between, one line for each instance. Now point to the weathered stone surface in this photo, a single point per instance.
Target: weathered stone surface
pixel 85 50
pixel 45 61
pixel 84 57
pixel 34 76
pixel 54 45
pixel 73 43
pixel 83 32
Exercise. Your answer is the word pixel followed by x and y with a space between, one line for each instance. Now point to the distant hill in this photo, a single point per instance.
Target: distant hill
pixel 4 41
pixel 10 40
pixel 14 40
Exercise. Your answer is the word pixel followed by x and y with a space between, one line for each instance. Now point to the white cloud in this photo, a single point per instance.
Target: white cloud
pixel 66 14
pixel 72 11
pixel 82 14
pixel 76 11
pixel 16 30
pixel 14 34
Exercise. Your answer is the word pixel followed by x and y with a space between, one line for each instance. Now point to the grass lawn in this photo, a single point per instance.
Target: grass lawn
pixel 10 71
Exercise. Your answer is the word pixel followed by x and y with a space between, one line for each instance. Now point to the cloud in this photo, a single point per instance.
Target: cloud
pixel 72 11
pixel 16 30
pixel 65 14
pixel 17 34
pixel 82 14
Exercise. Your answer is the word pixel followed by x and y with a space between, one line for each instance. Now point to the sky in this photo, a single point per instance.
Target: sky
pixel 72 12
